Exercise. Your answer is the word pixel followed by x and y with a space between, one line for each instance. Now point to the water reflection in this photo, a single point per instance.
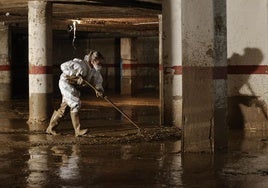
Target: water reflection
pixel 202 169
pixel 69 168
pixel 151 164
pixel 170 164
pixel 247 162
pixel 148 165
pixel 37 163
pixel 37 160
pixel 126 152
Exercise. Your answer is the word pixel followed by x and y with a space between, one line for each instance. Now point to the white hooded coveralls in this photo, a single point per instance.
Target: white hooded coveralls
pixel 69 92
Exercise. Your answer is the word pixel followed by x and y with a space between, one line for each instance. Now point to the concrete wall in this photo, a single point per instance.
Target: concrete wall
pixel 247 31
pixel 148 58
pixel 107 47
pixel 203 94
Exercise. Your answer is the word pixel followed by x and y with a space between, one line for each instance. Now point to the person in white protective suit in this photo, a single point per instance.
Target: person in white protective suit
pixel 74 72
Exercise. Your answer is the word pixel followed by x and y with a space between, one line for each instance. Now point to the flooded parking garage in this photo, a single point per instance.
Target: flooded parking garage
pixel 112 156
pixel 205 59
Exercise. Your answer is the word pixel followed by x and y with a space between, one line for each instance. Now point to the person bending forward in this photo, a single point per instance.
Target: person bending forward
pixel 74 72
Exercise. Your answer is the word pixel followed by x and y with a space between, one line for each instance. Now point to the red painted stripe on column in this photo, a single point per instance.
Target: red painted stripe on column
pixel 142 65
pixel 5 68
pixel 176 70
pixel 127 66
pixel 40 69
pixel 160 67
pixel 215 72
pixel 247 69
pixel 220 73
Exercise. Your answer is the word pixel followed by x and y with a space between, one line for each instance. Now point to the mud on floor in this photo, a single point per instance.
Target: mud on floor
pixel 95 138
pixel 128 136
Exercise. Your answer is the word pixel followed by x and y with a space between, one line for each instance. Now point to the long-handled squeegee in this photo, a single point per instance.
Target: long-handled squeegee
pixel 116 107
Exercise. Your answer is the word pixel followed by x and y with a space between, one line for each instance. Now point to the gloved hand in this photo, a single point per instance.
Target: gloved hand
pixel 80 80
pixel 99 93
pixel 76 80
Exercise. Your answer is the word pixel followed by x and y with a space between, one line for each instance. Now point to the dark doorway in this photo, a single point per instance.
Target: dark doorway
pixel 19 65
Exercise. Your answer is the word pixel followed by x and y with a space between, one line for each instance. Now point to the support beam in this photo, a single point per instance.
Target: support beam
pixel 220 76
pixel 161 75
pixel 204 75
pixel 117 3
pixel 128 60
pixel 172 63
pixel 40 63
pixel 5 80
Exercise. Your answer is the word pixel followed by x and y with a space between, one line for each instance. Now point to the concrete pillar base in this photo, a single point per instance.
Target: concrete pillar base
pixel 39 116
pixel 37 125
pixel 5 92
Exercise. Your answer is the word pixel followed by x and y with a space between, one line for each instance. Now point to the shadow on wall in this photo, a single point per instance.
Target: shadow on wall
pixel 242 107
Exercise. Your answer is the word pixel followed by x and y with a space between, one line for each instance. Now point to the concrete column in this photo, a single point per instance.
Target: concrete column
pixel 5 77
pixel 40 62
pixel 161 75
pixel 172 63
pixel 204 75
pixel 220 76
pixel 129 60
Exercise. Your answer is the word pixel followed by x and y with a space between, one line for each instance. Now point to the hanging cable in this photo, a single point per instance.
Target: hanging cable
pixel 74 30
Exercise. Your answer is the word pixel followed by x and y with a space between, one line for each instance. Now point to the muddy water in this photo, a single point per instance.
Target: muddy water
pixel 146 164
pixel 34 159
pixel 245 164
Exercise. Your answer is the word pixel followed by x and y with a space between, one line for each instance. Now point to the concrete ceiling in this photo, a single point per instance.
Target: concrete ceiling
pixel 123 17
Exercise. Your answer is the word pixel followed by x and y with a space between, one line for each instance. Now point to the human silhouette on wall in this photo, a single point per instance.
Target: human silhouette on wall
pixel 244 65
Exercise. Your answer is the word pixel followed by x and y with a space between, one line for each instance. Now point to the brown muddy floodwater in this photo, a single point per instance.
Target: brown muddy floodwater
pixel 113 155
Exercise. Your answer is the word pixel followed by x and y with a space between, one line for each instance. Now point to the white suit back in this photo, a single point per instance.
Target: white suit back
pixel 77 67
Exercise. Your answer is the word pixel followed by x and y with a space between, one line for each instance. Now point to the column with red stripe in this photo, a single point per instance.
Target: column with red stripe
pixel 172 64
pixel 5 80
pixel 40 63
pixel 129 62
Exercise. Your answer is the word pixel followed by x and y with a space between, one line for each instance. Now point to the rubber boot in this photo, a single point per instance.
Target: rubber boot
pixel 76 124
pixel 53 123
